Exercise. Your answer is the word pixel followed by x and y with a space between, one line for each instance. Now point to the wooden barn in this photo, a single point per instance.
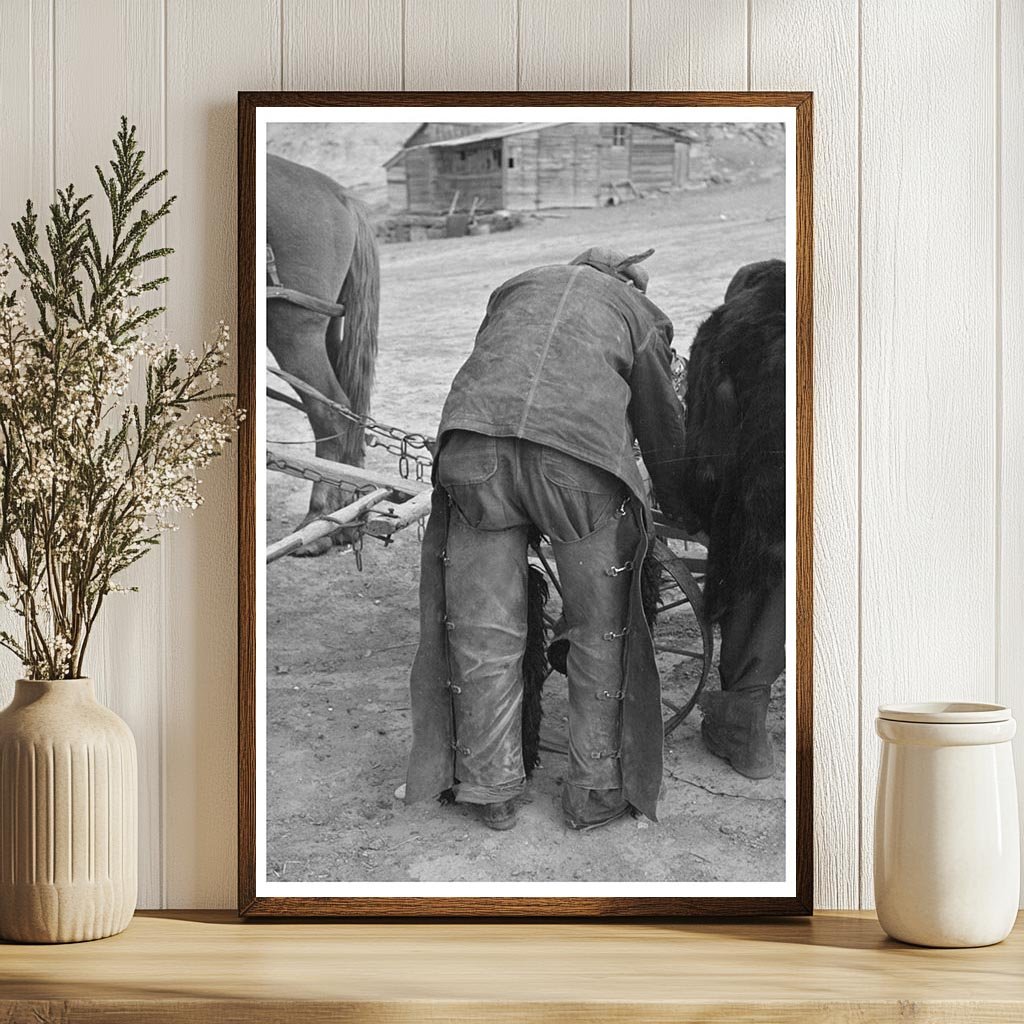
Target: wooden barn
pixel 533 166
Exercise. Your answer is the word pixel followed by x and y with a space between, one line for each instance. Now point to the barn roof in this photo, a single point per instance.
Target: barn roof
pixel 503 131
pixel 495 133
pixel 414 133
pixel 681 133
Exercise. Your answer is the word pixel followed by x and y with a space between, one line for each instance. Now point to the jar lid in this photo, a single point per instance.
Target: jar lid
pixel 945 713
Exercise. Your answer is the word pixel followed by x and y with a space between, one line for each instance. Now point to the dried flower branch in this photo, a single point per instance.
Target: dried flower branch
pixel 89 478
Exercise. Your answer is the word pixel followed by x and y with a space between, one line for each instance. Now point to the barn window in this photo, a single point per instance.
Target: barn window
pixel 511 162
pixel 619 135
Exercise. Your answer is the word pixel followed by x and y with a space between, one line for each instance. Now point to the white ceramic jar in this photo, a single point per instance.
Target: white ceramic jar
pixel 947 847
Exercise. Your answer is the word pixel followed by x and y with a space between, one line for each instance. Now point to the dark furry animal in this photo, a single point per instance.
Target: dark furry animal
pixel 735 468
pixel 752 275
pixel 535 668
pixel 650 589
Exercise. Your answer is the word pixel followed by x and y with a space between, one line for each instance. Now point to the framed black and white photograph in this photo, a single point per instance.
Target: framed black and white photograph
pixel 525 504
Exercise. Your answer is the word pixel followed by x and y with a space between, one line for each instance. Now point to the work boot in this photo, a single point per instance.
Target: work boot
pixel 586 809
pixel 735 729
pixel 501 816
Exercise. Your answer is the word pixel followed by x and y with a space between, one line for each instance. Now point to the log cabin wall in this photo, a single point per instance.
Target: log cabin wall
pixel 521 168
pixel 652 159
pixel 468 175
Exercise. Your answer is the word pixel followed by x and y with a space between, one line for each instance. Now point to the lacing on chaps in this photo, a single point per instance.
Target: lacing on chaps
pixel 446 796
pixel 539 660
pixel 535 670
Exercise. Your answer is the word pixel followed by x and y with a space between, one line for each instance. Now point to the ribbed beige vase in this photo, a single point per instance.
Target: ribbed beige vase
pixel 68 815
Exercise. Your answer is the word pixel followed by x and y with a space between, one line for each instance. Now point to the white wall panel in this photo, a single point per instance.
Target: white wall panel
pixel 125 656
pixel 460 44
pixel 1009 226
pixel 574 44
pixel 919 309
pixel 830 70
pixel 26 101
pixel 347 44
pixel 698 44
pixel 928 364
pixel 26 164
pixel 213 51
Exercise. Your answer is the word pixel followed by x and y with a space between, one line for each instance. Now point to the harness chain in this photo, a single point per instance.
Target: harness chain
pixel 414 450
pixel 406 445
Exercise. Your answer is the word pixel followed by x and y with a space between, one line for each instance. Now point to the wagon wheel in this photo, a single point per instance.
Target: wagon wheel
pixel 679 588
pixel 678 591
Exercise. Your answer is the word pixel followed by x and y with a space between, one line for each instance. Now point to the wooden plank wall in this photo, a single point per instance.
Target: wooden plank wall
pixel 919 312
pixel 520 183
pixel 652 158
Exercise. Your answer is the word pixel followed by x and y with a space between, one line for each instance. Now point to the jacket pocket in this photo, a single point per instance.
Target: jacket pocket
pixel 467 458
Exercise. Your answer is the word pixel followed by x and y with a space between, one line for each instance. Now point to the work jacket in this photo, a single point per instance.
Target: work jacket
pixel 573 358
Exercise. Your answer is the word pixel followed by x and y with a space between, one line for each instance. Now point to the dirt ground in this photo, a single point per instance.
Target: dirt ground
pixel 340 643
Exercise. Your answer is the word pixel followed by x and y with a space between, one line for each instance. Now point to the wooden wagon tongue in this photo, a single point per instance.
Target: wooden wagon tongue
pixel 276 290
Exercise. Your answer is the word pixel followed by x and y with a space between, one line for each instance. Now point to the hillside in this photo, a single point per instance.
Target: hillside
pixel 351 154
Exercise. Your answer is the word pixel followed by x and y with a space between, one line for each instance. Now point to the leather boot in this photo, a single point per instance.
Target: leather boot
pixel 500 816
pixel 735 729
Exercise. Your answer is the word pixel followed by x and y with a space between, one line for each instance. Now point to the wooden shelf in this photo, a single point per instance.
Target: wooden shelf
pixel 204 967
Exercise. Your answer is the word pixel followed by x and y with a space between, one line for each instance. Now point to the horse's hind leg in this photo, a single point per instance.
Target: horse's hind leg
pixel 296 339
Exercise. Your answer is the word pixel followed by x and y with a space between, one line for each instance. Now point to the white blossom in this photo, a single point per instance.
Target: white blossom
pixel 103 431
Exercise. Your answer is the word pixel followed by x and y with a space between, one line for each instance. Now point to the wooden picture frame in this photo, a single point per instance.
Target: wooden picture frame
pixel 253 904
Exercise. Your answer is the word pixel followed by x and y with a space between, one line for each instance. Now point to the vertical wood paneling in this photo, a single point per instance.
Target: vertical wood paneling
pixel 347 44
pixel 26 69
pixel 26 170
pixel 829 68
pixel 928 427
pixel 699 44
pixel 942 272
pixel 574 44
pixel 213 50
pixel 1010 239
pixel 460 44
pixel 124 660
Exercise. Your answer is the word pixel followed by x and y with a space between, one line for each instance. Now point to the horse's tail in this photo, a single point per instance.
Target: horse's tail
pixel 353 353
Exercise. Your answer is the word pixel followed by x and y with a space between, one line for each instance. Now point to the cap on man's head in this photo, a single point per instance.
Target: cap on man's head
pixel 617 264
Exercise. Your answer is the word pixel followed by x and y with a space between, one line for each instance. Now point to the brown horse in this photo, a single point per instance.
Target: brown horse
pixel 324 246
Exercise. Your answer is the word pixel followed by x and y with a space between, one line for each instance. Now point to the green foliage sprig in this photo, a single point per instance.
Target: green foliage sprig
pixel 89 476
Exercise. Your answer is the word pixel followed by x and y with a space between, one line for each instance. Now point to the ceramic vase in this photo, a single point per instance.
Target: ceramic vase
pixel 68 815
pixel 947 847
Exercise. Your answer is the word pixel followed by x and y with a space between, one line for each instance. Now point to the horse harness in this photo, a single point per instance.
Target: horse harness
pixel 276 290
